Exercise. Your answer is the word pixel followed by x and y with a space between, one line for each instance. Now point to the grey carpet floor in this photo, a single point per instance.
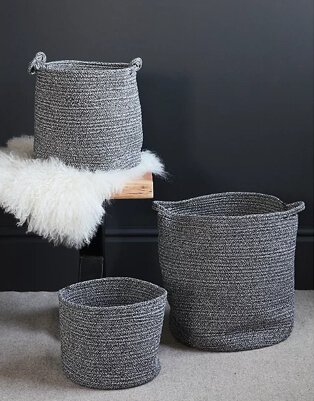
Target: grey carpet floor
pixel 30 366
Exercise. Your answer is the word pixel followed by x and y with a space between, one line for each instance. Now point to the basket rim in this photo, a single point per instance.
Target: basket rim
pixel 82 284
pixel 64 66
pixel 289 209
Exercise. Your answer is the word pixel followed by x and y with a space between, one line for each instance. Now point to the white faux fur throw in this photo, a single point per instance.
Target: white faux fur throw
pixel 58 202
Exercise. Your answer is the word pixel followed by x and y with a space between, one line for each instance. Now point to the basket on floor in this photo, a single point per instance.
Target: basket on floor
pixel 227 263
pixel 110 332
pixel 88 114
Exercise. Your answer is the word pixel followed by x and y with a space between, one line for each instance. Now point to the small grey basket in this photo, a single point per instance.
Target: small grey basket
pixel 110 332
pixel 87 114
pixel 227 263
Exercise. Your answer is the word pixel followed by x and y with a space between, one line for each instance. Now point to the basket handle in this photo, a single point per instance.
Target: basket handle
pixel 156 206
pixel 161 207
pixel 37 63
pixel 136 63
pixel 294 208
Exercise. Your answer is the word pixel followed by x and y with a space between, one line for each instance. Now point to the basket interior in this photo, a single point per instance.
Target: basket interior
pixel 228 204
pixel 74 65
pixel 111 292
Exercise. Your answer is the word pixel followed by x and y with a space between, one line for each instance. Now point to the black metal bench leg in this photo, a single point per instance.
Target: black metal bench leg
pixel 92 260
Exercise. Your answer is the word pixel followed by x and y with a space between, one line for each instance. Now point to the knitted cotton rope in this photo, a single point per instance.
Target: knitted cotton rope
pixel 88 114
pixel 59 202
pixel 110 332
pixel 227 262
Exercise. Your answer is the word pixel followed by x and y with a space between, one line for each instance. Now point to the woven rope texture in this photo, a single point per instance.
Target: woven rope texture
pixel 110 332
pixel 227 262
pixel 87 114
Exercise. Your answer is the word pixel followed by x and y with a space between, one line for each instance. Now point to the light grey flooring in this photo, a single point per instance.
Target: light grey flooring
pixel 30 362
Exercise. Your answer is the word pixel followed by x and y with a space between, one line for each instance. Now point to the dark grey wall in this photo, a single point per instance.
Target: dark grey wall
pixel 227 98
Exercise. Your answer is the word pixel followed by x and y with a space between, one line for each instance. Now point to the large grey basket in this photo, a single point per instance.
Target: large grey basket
pixel 110 332
pixel 87 114
pixel 227 263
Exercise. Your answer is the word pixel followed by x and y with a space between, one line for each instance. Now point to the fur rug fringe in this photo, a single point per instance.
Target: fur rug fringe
pixel 58 202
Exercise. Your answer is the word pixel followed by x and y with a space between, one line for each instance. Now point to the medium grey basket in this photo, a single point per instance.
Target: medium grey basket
pixel 227 263
pixel 110 332
pixel 87 114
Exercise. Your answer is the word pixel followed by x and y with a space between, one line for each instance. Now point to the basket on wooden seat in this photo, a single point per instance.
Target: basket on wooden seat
pixel 227 262
pixel 87 114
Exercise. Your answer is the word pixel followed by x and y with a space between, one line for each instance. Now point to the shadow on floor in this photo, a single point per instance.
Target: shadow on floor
pixel 168 340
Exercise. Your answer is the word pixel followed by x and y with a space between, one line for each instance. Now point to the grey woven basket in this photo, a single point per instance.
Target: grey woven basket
pixel 110 332
pixel 87 114
pixel 227 262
